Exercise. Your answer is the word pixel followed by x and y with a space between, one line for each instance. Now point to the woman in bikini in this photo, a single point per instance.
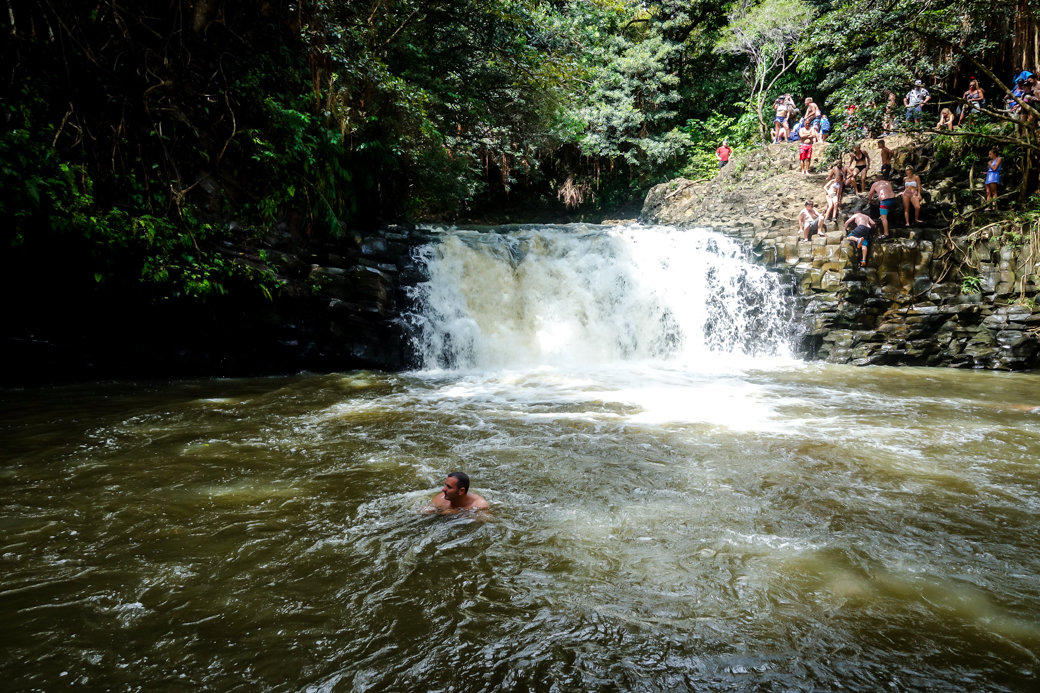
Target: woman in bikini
pixel 996 162
pixel 912 195
pixel 861 160
pixel 838 176
pixel 832 189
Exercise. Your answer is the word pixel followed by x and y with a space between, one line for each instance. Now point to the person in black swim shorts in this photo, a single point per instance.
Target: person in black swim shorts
pixel 860 234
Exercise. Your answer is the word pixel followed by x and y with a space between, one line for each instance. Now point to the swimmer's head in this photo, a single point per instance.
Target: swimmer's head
pixel 462 480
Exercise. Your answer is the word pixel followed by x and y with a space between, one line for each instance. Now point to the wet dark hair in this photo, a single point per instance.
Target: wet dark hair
pixel 463 480
pixel 809 203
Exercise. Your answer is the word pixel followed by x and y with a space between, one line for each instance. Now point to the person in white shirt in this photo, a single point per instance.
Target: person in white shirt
pixel 914 100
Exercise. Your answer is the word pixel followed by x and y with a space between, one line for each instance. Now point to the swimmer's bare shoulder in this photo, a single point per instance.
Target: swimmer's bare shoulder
pixel 438 504
pixel 455 496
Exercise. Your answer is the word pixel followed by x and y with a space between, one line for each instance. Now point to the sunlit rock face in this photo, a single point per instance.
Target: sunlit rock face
pixel 911 305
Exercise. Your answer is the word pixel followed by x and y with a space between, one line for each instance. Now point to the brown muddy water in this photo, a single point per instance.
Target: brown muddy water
pixel 789 528
pixel 676 503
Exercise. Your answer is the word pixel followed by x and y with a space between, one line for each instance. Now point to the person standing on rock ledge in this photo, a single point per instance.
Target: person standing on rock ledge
pixel 861 160
pixel 723 153
pixel 810 221
pixel 807 136
pixel 914 100
pixel 886 158
pixel 996 162
pixel 860 235
pixel 885 195
pixel 912 192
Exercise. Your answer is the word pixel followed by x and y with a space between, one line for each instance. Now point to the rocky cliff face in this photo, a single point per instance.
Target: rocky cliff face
pixel 925 297
pixel 338 307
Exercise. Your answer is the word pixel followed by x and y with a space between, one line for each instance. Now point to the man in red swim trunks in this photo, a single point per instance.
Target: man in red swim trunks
pixel 807 136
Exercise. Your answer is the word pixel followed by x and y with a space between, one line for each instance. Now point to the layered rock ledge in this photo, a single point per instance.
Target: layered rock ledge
pixel 925 297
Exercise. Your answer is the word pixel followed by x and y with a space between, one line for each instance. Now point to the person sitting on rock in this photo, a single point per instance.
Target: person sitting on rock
pixel 975 99
pixel 810 221
pixel 912 192
pixel 860 234
pixel 945 119
pixel 886 158
pixel 792 135
pixel 1013 101
pixel 883 189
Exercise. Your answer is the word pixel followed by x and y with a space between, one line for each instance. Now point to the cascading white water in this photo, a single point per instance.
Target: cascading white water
pixel 593 295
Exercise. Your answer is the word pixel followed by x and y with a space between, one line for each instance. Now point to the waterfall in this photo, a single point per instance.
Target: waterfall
pixel 582 295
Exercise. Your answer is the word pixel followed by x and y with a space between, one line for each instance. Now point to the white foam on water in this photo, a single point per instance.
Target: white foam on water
pixel 581 296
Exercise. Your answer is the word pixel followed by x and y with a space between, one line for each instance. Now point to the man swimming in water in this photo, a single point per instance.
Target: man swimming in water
pixel 455 496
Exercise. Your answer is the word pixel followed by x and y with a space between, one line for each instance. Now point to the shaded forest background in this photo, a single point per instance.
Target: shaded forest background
pixel 145 145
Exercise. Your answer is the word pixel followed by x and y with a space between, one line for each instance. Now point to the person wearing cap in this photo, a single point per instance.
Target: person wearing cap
pixel 810 221
pixel 915 99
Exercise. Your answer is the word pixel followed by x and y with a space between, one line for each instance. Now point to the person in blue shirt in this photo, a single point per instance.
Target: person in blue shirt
pixel 996 163
pixel 825 127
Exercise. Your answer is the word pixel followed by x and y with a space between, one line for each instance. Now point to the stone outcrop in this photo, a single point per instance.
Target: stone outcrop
pixel 925 297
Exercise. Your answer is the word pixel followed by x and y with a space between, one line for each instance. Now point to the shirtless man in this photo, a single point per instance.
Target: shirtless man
pixel 886 158
pixel 810 221
pixel 860 235
pixel 883 190
pixel 806 136
pixel 455 496
pixel 812 114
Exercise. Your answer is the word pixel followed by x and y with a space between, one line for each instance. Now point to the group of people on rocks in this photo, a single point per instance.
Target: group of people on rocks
pixel 1025 90
pixel 853 176
pixel 809 126
pixel 812 126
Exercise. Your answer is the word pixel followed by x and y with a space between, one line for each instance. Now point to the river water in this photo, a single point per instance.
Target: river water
pixel 677 502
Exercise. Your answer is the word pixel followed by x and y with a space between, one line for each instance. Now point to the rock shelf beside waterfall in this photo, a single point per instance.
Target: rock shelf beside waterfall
pixel 907 307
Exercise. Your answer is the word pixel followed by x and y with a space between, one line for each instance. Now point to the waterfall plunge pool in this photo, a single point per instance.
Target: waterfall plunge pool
pixel 687 508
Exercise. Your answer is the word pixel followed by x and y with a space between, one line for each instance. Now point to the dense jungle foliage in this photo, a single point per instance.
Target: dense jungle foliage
pixel 145 143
